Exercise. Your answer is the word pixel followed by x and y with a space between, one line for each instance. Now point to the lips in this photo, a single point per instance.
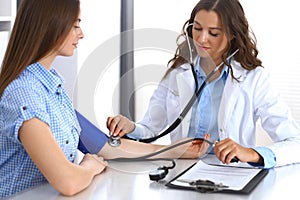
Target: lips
pixel 202 47
pixel 205 48
pixel 75 44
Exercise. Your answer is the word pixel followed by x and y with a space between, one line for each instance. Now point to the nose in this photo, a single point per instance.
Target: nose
pixel 80 34
pixel 202 37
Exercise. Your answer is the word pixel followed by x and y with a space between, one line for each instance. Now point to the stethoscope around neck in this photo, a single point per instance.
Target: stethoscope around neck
pixel 115 140
pixel 161 172
pixel 196 94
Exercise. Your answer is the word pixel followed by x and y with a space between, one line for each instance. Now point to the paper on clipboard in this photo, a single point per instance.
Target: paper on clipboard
pixel 234 177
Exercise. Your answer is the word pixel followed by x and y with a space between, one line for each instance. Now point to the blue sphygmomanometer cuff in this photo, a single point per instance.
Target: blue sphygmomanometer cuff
pixel 91 139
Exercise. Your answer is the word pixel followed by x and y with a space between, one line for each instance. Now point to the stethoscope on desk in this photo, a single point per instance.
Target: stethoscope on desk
pixel 162 171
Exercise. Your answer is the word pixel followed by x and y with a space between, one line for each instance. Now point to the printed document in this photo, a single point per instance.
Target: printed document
pixel 236 178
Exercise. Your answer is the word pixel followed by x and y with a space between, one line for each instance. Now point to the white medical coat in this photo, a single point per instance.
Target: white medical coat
pixel 242 104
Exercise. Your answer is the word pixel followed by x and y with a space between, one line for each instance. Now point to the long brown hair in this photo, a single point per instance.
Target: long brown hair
pixel 40 27
pixel 234 23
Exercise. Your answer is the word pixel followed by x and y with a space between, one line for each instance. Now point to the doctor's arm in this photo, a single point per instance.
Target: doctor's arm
pixel 66 177
pixel 227 149
pixel 153 122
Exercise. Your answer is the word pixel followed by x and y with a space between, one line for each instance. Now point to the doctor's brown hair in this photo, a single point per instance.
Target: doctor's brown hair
pixel 234 23
pixel 40 27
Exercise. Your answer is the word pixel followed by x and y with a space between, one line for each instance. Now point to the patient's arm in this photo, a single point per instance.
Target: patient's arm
pixel 130 149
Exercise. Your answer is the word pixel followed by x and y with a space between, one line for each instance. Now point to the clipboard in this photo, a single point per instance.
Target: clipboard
pixel 250 185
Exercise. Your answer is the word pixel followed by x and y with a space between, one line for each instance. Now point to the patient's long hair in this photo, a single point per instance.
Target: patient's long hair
pixel 40 27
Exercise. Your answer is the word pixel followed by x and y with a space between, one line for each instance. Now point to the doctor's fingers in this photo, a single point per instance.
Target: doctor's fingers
pixel 120 125
pixel 226 150
pixel 112 124
pixel 108 121
pixel 125 124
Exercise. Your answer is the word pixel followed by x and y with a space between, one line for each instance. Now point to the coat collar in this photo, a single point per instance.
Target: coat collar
pixel 238 72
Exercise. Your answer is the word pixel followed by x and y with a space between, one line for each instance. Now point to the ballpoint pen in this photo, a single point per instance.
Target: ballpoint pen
pixel 235 159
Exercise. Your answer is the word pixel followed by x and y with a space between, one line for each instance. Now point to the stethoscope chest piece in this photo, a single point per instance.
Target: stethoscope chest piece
pixel 114 141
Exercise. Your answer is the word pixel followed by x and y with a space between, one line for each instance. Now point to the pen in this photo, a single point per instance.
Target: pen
pixel 235 159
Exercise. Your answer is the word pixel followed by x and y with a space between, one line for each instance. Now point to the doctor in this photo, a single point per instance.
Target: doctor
pixel 228 108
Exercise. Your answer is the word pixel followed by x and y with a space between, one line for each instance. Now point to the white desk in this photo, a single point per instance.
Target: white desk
pixel 280 183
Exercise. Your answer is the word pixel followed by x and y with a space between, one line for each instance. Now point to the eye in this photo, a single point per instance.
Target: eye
pixel 197 28
pixel 77 29
pixel 214 34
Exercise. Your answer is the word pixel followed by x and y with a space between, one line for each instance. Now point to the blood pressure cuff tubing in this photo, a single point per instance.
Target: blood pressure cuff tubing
pixel 91 139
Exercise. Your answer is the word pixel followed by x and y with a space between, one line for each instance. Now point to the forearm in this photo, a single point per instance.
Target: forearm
pixel 63 175
pixel 128 149
pixel 74 179
pixel 131 149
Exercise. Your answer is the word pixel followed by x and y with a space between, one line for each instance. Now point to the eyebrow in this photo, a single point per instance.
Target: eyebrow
pixel 213 28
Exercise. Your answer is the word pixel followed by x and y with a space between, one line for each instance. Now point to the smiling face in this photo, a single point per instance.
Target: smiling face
pixel 67 47
pixel 71 41
pixel 209 36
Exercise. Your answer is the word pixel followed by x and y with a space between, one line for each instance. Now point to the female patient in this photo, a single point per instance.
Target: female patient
pixel 39 130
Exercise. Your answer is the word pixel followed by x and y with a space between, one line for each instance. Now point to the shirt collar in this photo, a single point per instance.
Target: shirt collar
pixel 201 74
pixel 49 78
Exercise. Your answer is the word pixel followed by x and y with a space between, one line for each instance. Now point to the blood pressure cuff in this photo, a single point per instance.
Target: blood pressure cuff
pixel 91 139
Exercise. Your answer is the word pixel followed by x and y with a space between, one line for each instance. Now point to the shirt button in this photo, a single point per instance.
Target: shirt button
pixel 74 131
pixel 67 141
pixel 221 130
pixel 71 155
pixel 24 107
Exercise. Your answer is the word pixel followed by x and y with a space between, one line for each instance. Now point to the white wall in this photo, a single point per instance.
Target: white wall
pixel 98 54
pixel 101 26
pixel 274 23
pixel 166 15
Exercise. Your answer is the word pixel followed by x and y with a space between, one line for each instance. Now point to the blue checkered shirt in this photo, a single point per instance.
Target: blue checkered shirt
pixel 36 93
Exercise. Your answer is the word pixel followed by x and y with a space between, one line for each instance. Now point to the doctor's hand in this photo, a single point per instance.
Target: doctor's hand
pixel 119 125
pixel 227 149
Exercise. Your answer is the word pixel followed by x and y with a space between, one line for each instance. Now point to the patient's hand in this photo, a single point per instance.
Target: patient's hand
pixel 194 149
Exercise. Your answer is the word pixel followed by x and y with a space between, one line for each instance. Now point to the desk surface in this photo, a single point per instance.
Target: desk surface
pixel 116 184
